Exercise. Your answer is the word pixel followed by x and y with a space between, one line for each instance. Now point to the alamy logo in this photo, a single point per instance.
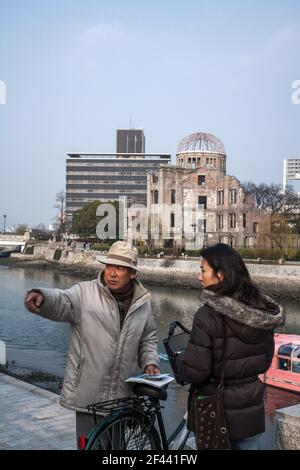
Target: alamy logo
pixel 296 94
pixel 2 92
pixel 161 222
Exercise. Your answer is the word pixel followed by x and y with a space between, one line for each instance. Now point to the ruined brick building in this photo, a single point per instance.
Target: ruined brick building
pixel 199 180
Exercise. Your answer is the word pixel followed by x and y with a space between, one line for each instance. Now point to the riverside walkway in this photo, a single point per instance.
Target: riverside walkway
pixel 32 419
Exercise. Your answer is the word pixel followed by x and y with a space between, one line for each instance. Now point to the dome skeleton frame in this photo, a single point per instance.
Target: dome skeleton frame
pixel 201 142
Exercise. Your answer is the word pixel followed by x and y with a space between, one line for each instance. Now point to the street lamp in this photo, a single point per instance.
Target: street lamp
pixel 4 220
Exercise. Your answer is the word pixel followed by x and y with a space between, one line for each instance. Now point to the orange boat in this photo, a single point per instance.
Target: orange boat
pixel 284 371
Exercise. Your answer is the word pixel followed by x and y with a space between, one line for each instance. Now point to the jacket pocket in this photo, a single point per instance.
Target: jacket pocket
pixel 79 371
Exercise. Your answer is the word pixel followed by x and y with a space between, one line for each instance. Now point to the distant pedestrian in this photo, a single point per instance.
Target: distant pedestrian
pixel 230 296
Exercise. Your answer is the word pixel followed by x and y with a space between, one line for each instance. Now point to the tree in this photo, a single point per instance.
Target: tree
pixel 271 198
pixel 41 226
pixel 60 199
pixel 283 208
pixel 85 220
pixel 21 229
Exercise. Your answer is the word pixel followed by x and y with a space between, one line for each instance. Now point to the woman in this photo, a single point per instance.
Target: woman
pixel 250 319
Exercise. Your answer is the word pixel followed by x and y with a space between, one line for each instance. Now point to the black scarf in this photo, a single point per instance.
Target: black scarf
pixel 123 298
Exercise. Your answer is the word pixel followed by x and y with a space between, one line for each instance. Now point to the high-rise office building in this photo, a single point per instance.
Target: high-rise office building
pixel 107 176
pixel 291 170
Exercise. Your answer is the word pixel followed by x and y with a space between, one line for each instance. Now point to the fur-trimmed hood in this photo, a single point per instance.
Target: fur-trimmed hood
pixel 262 319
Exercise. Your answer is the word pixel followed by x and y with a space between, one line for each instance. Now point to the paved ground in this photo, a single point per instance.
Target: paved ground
pixel 31 418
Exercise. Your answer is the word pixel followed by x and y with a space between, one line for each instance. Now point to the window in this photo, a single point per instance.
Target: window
pixel 168 243
pixel 173 196
pixel 220 221
pixel 220 197
pixel 288 357
pixel 296 367
pixel 232 220
pixel 202 200
pixel 244 219
pixel 154 196
pixel 232 196
pixel 255 227
pixel 202 225
pixel 201 180
pixel 154 178
pixel 172 219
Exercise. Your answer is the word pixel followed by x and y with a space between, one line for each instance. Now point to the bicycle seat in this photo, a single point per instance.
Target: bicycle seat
pixel 152 392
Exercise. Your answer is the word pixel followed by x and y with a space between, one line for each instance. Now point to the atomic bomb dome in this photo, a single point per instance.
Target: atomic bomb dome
pixel 201 142
pixel 202 150
pixel 215 202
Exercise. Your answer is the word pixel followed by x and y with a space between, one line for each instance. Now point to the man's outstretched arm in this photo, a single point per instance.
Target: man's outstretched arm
pixel 55 304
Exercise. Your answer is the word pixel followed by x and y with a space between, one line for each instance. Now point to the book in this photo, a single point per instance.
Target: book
pixel 158 380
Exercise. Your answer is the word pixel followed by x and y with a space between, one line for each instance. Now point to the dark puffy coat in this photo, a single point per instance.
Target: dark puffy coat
pixel 250 348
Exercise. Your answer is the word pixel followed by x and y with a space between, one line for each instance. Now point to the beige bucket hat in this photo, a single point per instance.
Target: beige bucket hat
pixel 121 254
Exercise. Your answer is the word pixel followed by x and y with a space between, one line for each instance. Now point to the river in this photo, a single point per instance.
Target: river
pixel 35 344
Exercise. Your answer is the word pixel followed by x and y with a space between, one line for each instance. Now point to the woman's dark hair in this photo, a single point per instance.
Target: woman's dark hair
pixel 236 278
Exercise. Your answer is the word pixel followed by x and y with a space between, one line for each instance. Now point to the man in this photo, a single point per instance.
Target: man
pixel 113 332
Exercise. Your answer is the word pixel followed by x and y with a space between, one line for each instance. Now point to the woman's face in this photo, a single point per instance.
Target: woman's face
pixel 207 276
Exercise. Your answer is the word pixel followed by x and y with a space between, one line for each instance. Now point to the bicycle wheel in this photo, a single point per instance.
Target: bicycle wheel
pixel 125 430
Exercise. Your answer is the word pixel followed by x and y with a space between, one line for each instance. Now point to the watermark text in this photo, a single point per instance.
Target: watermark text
pixel 295 97
pixel 160 222
pixel 2 92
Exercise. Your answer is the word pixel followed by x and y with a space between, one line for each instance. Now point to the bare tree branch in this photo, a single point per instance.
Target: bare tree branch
pixel 60 200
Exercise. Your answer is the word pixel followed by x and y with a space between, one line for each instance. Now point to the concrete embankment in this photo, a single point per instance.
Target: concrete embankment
pixel 281 280
pixel 287 428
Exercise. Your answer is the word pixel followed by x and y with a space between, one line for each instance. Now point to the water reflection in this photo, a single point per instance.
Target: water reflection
pixel 292 320
pixel 31 341
pixel 179 304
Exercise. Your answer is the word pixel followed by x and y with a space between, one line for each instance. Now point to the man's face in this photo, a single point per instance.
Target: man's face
pixel 116 277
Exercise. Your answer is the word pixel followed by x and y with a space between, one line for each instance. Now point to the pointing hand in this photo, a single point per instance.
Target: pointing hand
pixel 33 301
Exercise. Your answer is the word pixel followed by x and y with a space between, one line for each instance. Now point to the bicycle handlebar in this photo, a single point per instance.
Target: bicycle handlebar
pixel 173 325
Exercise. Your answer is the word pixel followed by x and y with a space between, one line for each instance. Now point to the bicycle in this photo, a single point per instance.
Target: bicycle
pixel 129 423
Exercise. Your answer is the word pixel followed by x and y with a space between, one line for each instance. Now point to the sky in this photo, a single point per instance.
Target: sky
pixel 76 70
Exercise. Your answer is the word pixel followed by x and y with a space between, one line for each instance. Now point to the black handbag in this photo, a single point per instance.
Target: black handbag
pixel 210 426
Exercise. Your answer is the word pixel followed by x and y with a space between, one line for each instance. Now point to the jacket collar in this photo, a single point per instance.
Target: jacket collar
pixel 262 318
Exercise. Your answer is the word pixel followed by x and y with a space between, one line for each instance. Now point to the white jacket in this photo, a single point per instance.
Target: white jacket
pixel 101 356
